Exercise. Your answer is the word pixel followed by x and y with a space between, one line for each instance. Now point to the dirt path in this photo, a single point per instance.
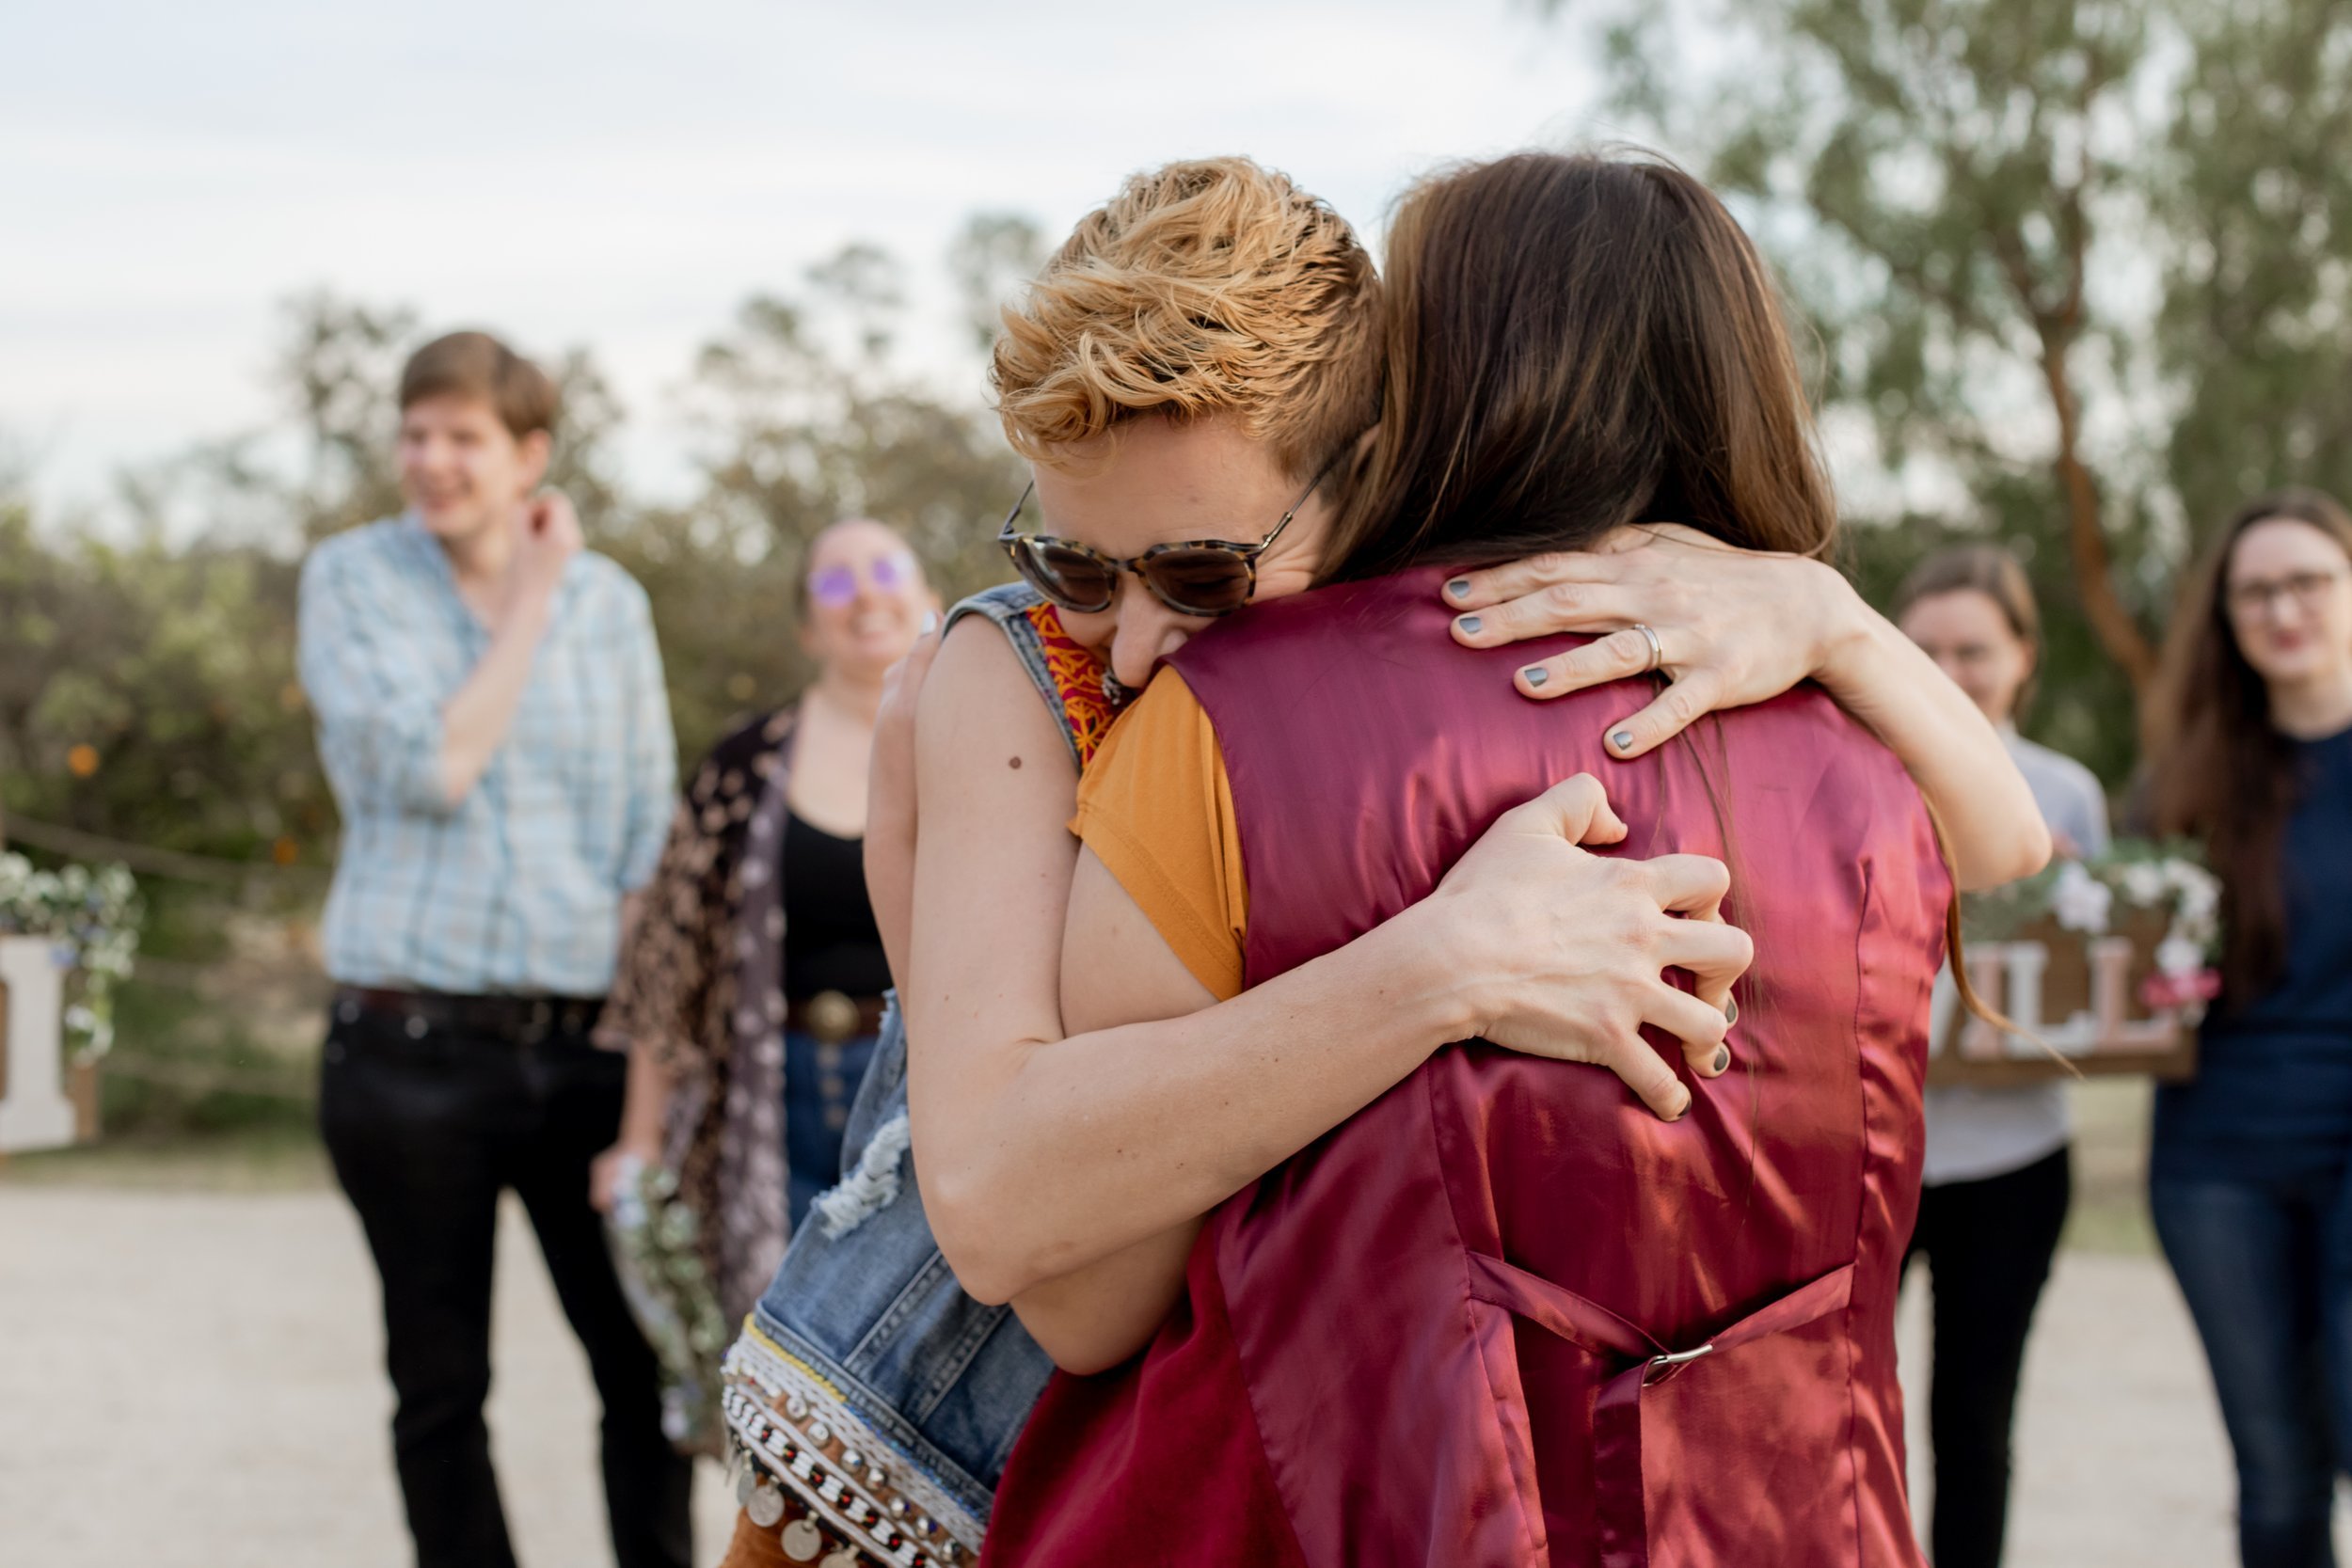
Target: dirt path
pixel 189 1381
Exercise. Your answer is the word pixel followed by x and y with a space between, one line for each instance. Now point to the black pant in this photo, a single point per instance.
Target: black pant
pixel 424 1133
pixel 1988 1246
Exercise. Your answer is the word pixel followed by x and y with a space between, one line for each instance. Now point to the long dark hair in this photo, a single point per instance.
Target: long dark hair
pixel 2223 772
pixel 1578 342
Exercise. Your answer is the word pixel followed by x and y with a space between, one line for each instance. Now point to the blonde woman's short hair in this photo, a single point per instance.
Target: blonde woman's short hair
pixel 1207 288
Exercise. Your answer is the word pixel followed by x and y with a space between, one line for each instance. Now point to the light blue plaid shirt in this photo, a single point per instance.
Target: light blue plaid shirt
pixel 517 888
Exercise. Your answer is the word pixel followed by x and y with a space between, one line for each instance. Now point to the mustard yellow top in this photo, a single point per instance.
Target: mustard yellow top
pixel 1156 809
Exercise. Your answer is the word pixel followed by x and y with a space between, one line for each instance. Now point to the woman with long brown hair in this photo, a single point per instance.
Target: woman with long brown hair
pixel 1499 1316
pixel 2251 754
pixel 1998 1177
pixel 1222 327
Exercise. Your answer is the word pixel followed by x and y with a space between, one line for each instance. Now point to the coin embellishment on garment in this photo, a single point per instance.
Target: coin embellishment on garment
pixel 766 1507
pixel 801 1539
pixel 744 1481
pixel 842 1559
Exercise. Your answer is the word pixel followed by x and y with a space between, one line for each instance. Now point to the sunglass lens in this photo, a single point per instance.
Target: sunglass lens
pixel 1070 578
pixel 1202 582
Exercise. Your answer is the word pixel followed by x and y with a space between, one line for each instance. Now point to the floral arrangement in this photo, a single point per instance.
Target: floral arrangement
pixel 2136 878
pixel 655 1245
pixel 92 914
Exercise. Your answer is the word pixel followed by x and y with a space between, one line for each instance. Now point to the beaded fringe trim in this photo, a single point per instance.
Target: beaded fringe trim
pixel 802 1434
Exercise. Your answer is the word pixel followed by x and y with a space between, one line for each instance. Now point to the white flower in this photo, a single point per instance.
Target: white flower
pixel 2143 883
pixel 2080 900
pixel 2201 894
pixel 2179 956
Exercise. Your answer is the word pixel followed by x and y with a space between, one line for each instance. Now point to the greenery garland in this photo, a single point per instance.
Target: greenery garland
pixel 92 914
pixel 2093 896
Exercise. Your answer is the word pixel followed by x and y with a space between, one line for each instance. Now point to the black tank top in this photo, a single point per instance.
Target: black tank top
pixel 831 942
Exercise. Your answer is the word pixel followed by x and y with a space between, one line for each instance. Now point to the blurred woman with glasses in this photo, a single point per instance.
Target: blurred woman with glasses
pixel 751 991
pixel 1998 1176
pixel 2251 748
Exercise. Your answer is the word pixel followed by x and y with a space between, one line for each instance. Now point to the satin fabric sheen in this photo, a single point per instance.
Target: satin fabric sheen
pixel 1427 1339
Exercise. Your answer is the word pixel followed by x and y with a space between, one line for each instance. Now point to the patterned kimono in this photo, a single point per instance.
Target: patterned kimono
pixel 701 986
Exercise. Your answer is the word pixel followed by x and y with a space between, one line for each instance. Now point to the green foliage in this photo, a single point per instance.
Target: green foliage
pixel 162 643
pixel 2076 268
pixel 174 667
pixel 148 689
pixel 2256 326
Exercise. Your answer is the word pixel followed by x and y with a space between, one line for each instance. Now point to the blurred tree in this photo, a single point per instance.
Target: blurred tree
pixel 147 683
pixel 148 692
pixel 2074 265
pixel 2255 332
pixel 991 258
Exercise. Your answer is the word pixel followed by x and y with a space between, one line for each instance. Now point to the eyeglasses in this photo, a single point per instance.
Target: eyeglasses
pixel 835 586
pixel 2250 600
pixel 1197 577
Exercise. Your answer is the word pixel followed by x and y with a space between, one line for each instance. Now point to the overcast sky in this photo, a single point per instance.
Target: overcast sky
pixel 621 176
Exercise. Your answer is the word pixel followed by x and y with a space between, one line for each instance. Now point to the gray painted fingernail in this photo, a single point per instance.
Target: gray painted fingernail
pixel 1731 1011
pixel 1622 740
pixel 1722 1057
pixel 1459 588
pixel 1536 674
pixel 1469 622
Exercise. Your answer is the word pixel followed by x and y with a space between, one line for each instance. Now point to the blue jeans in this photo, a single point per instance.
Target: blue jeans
pixel 2265 1264
pixel 819 1082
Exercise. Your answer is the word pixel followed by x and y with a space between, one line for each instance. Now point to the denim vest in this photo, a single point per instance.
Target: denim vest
pixel 865 1380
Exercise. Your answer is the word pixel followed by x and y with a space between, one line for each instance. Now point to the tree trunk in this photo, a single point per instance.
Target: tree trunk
pixel 2111 620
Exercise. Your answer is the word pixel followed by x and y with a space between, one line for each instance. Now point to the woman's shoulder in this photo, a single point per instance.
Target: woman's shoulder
pixel 744 753
pixel 1067 673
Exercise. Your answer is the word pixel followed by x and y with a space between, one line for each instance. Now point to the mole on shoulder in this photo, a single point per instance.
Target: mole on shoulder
pixel 1014 763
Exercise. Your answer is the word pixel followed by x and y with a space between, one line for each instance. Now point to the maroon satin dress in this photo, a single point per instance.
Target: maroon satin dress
pixel 1504 1315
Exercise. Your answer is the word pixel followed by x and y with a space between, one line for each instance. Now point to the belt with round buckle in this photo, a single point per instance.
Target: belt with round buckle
pixel 831 1017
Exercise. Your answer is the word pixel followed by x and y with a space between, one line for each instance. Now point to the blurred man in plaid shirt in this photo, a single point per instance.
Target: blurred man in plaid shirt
pixel 491 714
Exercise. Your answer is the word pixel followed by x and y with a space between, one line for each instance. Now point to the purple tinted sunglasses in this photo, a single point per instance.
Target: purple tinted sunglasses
pixel 837 586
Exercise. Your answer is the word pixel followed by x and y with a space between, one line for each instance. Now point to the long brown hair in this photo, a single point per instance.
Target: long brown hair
pixel 1578 342
pixel 2223 772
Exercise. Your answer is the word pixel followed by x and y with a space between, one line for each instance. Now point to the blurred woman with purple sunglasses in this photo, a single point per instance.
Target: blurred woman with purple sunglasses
pixel 751 991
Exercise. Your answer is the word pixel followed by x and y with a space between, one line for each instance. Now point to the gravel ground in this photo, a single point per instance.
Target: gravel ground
pixel 189 1380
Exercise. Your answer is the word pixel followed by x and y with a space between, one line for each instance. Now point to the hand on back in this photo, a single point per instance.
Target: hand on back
pixel 1563 952
pixel 1734 626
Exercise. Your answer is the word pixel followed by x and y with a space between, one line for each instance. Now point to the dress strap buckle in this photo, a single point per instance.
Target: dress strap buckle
pixel 1665 1364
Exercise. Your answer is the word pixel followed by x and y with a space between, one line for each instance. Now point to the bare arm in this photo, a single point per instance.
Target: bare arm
pixel 475 720
pixel 644 1117
pixel 1115 970
pixel 1997 833
pixel 890 817
pixel 1042 1154
pixel 1736 626
pixel 645 1099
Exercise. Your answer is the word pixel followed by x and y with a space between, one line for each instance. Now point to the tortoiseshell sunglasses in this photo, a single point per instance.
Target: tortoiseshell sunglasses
pixel 1197 576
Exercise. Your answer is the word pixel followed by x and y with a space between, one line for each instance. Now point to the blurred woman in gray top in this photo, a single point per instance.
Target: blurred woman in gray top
pixel 1997 1175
